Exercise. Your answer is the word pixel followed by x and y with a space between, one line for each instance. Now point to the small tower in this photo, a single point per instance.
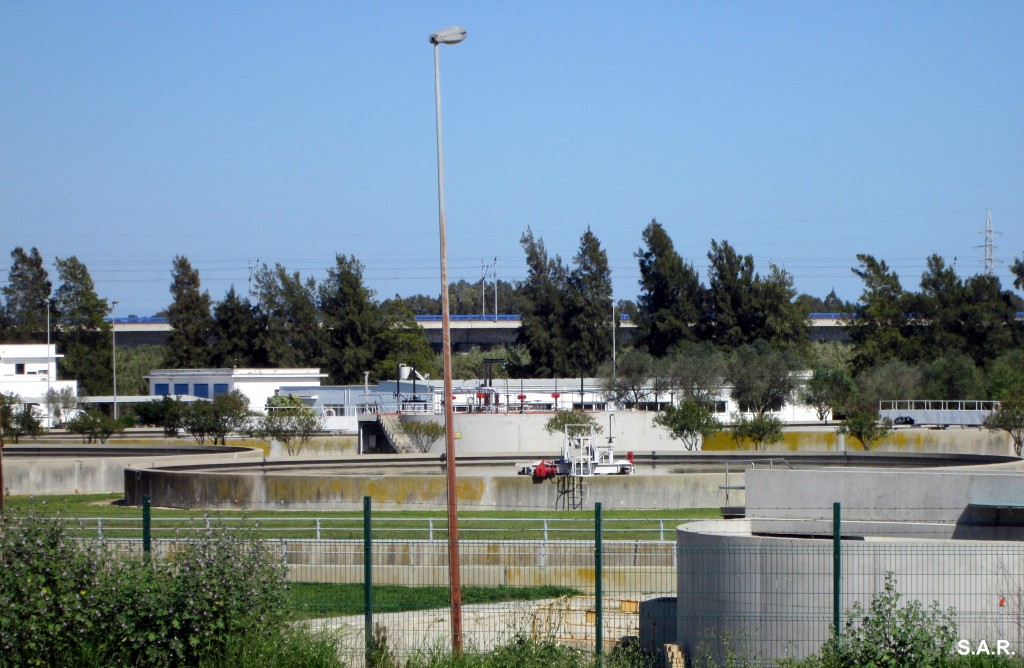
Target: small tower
pixel 990 262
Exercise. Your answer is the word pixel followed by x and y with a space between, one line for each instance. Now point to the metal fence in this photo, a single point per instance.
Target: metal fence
pixel 760 598
pixel 386 527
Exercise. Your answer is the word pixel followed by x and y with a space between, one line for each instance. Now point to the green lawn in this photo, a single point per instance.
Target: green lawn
pixel 98 512
pixel 308 600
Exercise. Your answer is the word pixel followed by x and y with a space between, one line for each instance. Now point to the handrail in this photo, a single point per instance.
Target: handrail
pixel 401 528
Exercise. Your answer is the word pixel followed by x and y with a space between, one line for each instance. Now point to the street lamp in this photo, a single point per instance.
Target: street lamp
pixel 113 340
pixel 49 358
pixel 452 35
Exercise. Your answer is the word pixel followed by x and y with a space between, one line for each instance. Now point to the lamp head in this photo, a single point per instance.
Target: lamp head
pixel 452 35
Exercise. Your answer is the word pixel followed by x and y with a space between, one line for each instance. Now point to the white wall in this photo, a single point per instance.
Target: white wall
pixel 256 384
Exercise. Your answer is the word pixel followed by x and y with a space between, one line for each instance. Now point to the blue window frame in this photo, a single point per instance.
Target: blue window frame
pixel 219 389
pixel 181 388
pixel 161 389
pixel 201 390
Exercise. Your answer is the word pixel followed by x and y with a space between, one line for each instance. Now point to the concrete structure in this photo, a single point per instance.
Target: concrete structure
pixel 968 413
pixel 762 586
pixel 257 384
pixel 29 370
pixel 338 485
pixel 635 431
pixel 685 480
pixel 467 331
pixel 48 469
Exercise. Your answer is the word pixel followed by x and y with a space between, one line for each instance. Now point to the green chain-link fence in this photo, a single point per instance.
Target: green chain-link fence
pixel 760 597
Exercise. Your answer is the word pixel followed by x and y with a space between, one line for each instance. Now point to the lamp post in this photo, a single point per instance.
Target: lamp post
pixel 113 349
pixel 49 358
pixel 452 35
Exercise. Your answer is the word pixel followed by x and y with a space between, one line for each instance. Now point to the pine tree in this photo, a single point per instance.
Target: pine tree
pixel 401 342
pixel 777 316
pixel 991 321
pixel 236 330
pixel 81 329
pixel 351 319
pixel 188 344
pixel 670 294
pixel 25 295
pixel 940 304
pixel 286 303
pixel 1017 268
pixel 589 313
pixel 879 326
pixel 727 317
pixel 542 323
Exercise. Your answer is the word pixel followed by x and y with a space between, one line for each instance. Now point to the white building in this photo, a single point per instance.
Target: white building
pixel 257 384
pixel 30 370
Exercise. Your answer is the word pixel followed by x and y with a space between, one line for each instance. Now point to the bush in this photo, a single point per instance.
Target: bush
pixel 95 426
pixel 577 421
pixel 65 602
pixel 891 634
pixel 423 434
pixel 17 419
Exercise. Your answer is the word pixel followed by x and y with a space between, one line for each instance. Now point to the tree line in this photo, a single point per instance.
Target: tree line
pixel 961 328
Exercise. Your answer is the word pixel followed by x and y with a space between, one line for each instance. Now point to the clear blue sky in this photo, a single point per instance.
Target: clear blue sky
pixel 235 132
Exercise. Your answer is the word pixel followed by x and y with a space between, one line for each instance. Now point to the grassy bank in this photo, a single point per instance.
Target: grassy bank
pixel 308 600
pixel 105 512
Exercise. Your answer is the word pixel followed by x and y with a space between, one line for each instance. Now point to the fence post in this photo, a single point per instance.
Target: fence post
pixel 367 582
pixel 837 569
pixel 598 577
pixel 147 522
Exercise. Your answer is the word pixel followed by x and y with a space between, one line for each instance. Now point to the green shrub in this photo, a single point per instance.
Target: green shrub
pixel 891 634
pixel 95 426
pixel 578 422
pixel 65 602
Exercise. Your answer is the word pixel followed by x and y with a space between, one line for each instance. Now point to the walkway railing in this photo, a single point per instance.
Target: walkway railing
pixel 387 528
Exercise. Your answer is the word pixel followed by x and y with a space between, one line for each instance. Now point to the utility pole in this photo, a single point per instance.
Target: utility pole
pixel 614 378
pixel 990 261
pixel 483 289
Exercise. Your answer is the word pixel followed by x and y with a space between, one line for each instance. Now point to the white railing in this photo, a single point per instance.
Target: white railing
pixel 426 528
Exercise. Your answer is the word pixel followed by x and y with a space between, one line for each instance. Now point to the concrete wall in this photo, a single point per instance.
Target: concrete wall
pixel 636 431
pixel 334 490
pixel 524 432
pixel 84 474
pixel 762 586
pixel 630 567
pixel 767 596
pixel 914 496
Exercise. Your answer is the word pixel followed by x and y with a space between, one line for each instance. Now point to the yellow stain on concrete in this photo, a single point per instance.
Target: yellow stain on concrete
pixel 262 445
pixel 827 440
pixel 470 489
pixel 406 489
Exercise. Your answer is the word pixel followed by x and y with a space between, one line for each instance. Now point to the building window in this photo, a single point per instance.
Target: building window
pixel 181 389
pixel 161 389
pixel 19 369
pixel 201 390
pixel 220 388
